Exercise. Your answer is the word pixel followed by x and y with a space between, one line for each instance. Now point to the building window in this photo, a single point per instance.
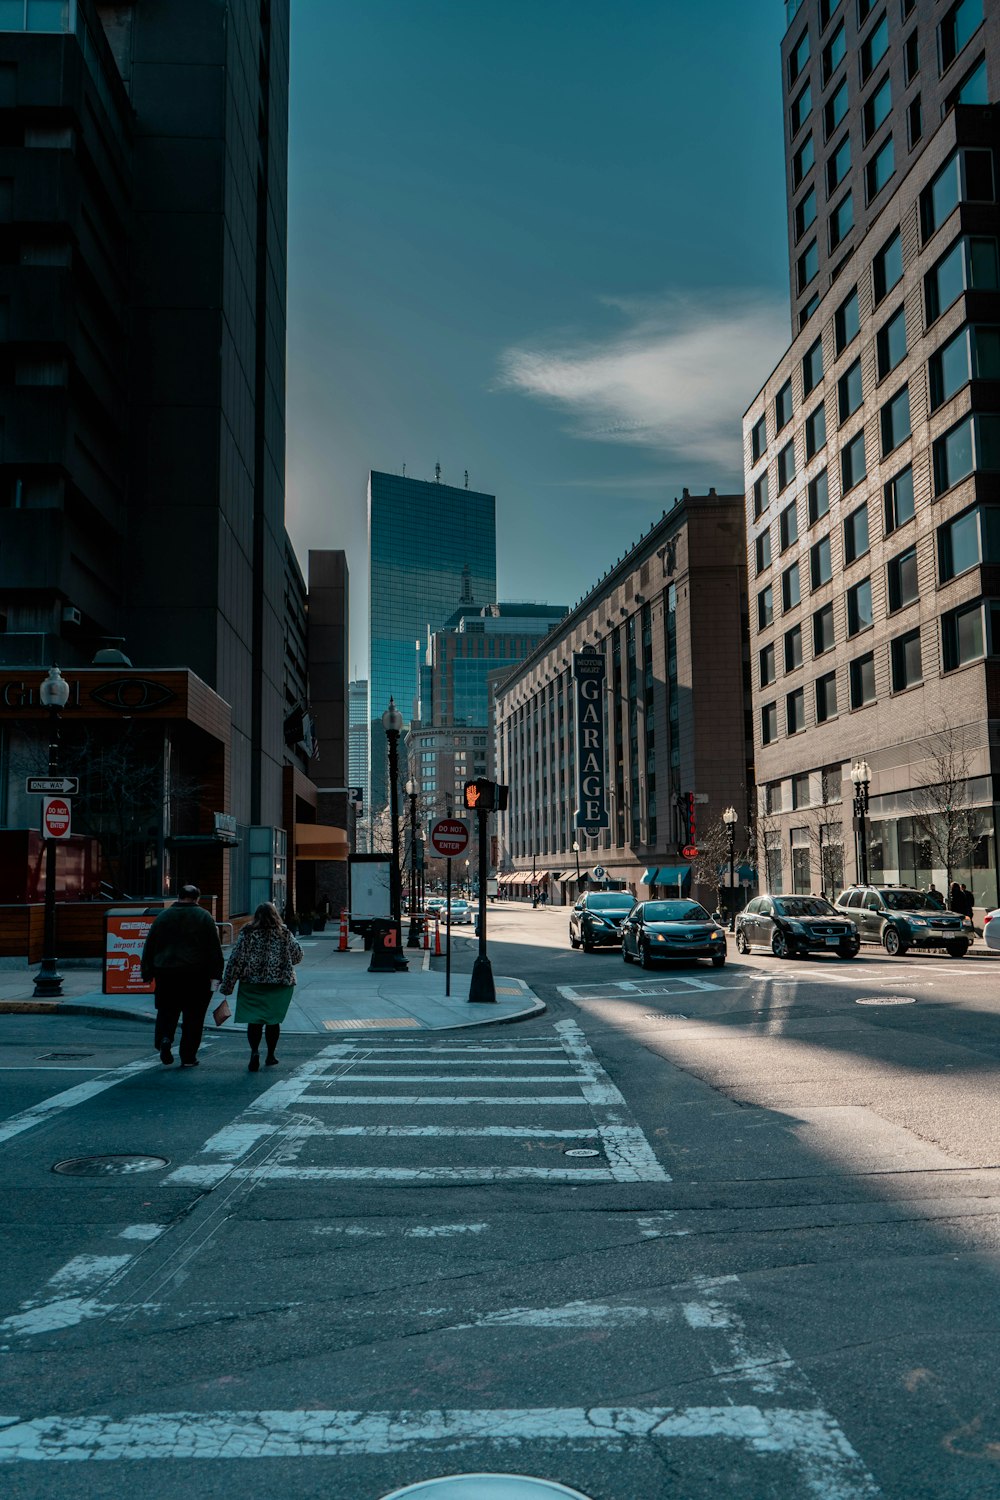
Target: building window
pixel 801 108
pixel 856 534
pixel 802 161
pixel 815 430
pixel 834 53
pixel 769 723
pixel 849 392
pixel 798 57
pixel 766 666
pixel 838 165
pixel 968 263
pixel 962 636
pixel 760 495
pixel 972 89
pixel 970 539
pixel 890 343
pixel 807 265
pixel 791 589
pixel 836 109
pixel 783 406
pixel 887 267
pixel 902 574
pixel 973 443
pixel 859 607
pixel 959 25
pixel 915 120
pixel 880 169
pixel 911 56
pixel 877 108
pixel 786 465
pixel 765 607
pixel 966 177
pixel 841 220
pixel 818 496
pixel 826 697
pixel 808 309
pixel 800 793
pixel 805 213
pixel 847 321
pixel 895 420
pixel 793 648
pixel 863 680
pixel 795 711
pixel 763 546
pixel 852 463
pixel 972 354
pixel 823 633
pixel 904 654
pixel 788 527
pixel 899 504
pixel 874 48
pixel 812 367
pixel 758 438
pixel 820 562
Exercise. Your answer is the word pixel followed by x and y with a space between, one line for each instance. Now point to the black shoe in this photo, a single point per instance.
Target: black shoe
pixel 270 1061
pixel 166 1056
pixel 254 1064
pixel 192 1064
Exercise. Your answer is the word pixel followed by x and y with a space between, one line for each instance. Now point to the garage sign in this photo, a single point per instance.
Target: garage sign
pixel 589 670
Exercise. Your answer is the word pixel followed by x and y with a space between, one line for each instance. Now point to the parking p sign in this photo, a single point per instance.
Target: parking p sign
pixel 56 820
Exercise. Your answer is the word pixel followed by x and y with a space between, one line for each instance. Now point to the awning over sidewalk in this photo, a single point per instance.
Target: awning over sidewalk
pixel 320 841
pixel 649 876
pixel 669 875
pixel 569 875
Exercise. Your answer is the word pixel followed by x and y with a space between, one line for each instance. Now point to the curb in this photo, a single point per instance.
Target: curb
pixel 69 1008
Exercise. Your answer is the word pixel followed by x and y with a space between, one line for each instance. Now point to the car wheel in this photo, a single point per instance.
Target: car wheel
pixel 574 942
pixel 645 958
pixel 891 941
pixel 742 946
pixel 718 959
pixel 958 949
pixel 626 955
pixel 588 947
pixel 780 946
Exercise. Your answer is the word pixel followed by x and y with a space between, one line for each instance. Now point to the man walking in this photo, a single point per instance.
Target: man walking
pixel 182 955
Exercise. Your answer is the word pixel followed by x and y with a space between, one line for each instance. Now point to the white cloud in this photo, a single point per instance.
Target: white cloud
pixel 677 378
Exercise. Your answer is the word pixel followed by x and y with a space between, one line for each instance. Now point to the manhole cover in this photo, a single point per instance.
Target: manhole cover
pixel 485 1487
pixel 887 1000
pixel 61 1056
pixel 109 1166
pixel 580 1151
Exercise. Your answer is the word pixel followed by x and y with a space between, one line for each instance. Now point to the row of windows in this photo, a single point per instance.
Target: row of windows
pixel 967 634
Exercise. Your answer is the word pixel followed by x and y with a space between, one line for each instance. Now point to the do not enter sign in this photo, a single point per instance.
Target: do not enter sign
pixel 55 818
pixel 450 837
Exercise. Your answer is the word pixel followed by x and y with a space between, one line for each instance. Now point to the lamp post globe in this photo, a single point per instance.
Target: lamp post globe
pixel 54 695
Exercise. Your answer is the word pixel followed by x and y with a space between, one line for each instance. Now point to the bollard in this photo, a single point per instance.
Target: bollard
pixel 427 936
pixel 342 945
pixel 437 937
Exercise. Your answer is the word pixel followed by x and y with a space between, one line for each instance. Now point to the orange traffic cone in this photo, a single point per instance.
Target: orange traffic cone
pixel 437 938
pixel 342 945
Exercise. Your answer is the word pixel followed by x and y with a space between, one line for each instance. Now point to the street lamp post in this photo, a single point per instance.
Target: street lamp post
pixel 730 819
pixel 413 936
pixel 392 723
pixel 861 776
pixel 468 881
pixel 54 693
pixel 576 851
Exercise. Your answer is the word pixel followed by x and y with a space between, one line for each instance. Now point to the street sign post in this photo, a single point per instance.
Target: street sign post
pixel 56 818
pixel 69 786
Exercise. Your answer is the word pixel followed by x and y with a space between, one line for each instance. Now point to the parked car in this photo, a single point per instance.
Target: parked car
pixel 789 925
pixel 461 912
pixel 655 930
pixel 991 929
pixel 597 919
pixel 899 917
pixel 435 904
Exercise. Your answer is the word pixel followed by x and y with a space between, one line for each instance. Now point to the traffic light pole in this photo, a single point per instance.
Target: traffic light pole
pixel 482 988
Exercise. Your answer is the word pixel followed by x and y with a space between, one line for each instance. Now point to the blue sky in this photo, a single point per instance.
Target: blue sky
pixel 540 240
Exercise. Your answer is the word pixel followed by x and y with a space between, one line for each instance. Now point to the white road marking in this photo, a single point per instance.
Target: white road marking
pixel 450 1077
pixel 630 1155
pixel 142 1232
pixel 198 1176
pixel 384 1131
pixel 71 1300
pixel 701 984
pixel 37 1114
pixel 436 1099
pixel 573 1315
pixel 463 1062
pixel 810 1439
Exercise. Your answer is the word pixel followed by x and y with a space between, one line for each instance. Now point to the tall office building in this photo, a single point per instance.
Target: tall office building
pixel 432 547
pixel 872 452
pixel 357 753
pixel 143 207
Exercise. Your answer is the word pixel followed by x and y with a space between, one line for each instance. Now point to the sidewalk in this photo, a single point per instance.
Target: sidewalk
pixel 335 994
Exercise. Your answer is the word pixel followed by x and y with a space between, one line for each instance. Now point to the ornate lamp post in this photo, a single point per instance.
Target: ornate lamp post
pixel 730 819
pixel 54 693
pixel 392 723
pixel 576 851
pixel 861 776
pixel 468 880
pixel 413 935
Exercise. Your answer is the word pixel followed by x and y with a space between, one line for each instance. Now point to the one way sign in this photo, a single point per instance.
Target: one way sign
pixel 69 786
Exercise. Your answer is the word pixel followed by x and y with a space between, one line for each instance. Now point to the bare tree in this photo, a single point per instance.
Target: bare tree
pixel 825 822
pixel 763 845
pixel 712 865
pixel 945 822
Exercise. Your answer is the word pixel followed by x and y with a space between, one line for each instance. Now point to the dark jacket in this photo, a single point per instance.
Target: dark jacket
pixel 183 937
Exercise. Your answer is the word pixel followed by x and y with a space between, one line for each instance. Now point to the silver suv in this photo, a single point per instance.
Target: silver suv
pixel 899 917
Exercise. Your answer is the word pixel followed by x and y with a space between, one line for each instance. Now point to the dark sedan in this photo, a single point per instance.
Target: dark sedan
pixel 655 930
pixel 787 925
pixel 597 919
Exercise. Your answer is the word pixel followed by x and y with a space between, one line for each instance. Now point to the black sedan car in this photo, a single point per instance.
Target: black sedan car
pixel 788 925
pixel 655 930
pixel 597 919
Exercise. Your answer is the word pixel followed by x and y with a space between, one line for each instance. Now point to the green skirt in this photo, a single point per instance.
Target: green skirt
pixel 262 1002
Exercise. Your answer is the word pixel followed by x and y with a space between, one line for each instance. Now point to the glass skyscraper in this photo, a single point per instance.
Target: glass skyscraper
pixel 431 547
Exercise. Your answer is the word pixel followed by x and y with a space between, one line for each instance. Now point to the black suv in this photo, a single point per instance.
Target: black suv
pixel 899 917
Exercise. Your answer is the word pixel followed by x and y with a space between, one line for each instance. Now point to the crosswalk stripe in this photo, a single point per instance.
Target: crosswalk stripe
pixel 501 1099
pixel 197 1175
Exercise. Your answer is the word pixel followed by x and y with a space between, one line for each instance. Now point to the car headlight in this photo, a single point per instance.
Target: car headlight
pixel 715 934
pixel 917 921
pixel 658 937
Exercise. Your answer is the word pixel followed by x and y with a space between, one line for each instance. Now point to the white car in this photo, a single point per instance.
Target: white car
pixel 461 912
pixel 991 929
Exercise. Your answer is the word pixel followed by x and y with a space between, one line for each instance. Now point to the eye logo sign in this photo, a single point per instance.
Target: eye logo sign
pixel 132 695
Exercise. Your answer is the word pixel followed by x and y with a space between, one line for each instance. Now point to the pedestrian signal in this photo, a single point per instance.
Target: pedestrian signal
pixel 479 795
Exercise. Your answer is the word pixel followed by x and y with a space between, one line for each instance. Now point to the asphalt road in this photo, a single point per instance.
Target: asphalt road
pixel 775 1273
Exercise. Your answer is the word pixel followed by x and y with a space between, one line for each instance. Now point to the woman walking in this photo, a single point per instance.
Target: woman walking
pixel 262 964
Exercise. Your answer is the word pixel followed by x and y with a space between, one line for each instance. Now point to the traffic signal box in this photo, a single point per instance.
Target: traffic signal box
pixel 485 796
